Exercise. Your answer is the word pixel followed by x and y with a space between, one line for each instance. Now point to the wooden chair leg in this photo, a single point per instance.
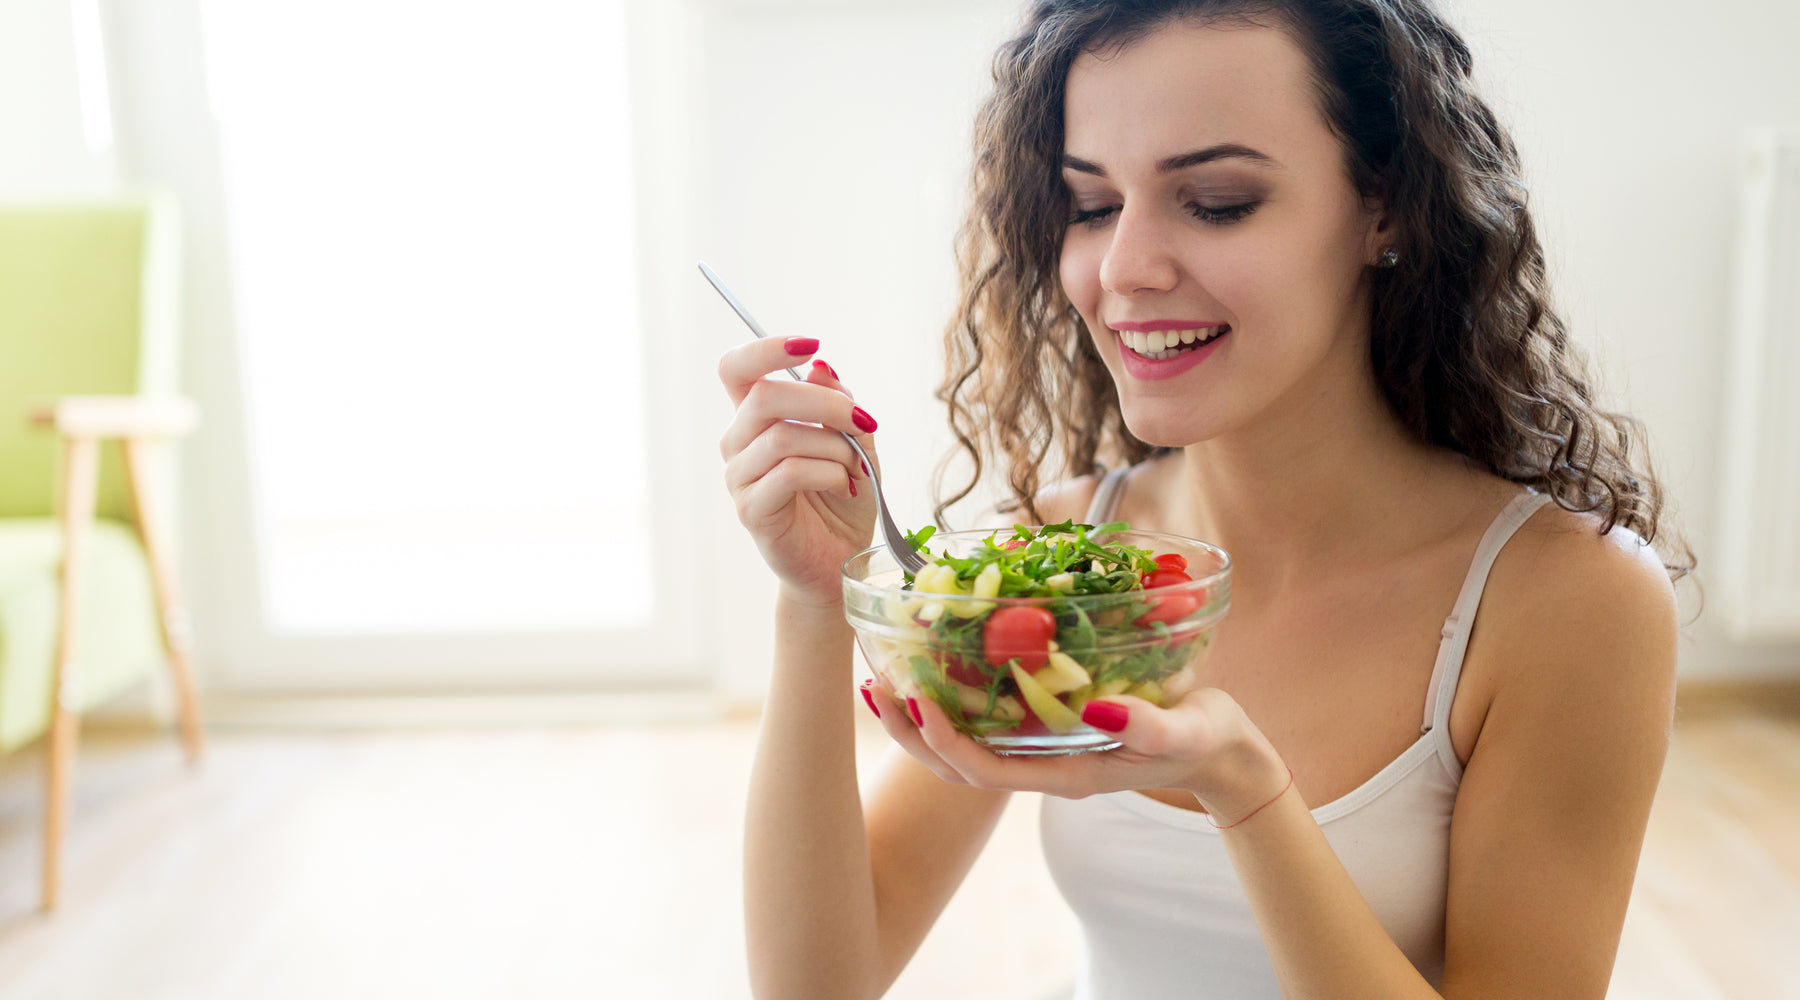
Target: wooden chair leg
pixel 60 767
pixel 177 632
pixel 75 503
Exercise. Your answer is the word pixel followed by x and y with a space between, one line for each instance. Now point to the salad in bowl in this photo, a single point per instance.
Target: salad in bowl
pixel 1011 635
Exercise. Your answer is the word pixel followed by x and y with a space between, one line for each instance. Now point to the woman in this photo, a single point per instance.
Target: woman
pixel 1273 259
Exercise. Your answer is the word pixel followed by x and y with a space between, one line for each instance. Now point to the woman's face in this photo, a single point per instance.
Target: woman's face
pixel 1208 195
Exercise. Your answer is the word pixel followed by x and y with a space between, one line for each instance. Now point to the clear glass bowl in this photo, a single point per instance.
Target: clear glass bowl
pixel 1145 643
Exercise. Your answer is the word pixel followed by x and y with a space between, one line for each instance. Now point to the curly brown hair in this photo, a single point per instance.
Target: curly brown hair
pixel 1464 343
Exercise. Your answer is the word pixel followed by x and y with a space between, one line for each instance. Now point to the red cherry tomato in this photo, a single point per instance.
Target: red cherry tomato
pixel 1013 543
pixel 1020 633
pixel 1169 609
pixel 1172 560
pixel 1166 578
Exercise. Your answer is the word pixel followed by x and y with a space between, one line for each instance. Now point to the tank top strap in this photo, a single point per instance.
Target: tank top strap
pixel 1455 634
pixel 1106 496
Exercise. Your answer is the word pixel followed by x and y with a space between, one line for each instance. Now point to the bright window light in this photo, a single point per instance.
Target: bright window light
pixel 431 232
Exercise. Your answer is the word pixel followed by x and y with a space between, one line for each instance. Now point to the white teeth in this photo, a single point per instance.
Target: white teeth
pixel 1166 344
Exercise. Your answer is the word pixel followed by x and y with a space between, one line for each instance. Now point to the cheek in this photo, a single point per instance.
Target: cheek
pixel 1237 282
pixel 1078 268
pixel 1277 281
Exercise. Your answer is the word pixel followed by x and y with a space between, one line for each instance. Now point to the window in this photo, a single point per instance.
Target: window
pixel 430 221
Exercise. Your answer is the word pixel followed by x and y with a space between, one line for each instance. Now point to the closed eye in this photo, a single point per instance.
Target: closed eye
pixel 1092 215
pixel 1220 216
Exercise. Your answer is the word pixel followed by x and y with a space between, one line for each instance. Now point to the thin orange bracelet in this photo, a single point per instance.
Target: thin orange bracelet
pixel 1265 805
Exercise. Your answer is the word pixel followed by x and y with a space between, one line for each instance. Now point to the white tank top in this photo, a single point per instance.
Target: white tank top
pixel 1162 913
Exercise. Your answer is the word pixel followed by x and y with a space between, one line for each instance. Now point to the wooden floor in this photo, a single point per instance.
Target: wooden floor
pixel 555 862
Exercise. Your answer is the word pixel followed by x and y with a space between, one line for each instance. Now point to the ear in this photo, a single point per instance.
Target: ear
pixel 1379 231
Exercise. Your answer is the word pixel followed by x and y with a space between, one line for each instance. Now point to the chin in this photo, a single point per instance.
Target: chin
pixel 1169 440
pixel 1160 428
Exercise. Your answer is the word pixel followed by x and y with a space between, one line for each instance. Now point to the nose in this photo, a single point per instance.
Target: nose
pixel 1138 259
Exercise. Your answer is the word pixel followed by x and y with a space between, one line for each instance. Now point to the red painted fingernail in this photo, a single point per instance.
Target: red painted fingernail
pixel 869 696
pixel 1108 715
pixel 800 347
pixel 912 709
pixel 865 466
pixel 820 363
pixel 852 488
pixel 860 417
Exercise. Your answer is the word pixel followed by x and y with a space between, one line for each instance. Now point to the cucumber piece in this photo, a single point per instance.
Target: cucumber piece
pixel 1150 691
pixel 1062 674
pixel 1115 686
pixel 1053 713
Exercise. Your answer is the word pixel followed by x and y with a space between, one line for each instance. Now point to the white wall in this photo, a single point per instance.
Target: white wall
pixel 829 144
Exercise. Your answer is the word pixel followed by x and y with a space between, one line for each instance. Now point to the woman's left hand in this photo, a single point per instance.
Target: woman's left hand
pixel 1203 744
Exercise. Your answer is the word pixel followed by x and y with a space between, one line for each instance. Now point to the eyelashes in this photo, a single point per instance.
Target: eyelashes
pixel 1222 216
pixel 1092 215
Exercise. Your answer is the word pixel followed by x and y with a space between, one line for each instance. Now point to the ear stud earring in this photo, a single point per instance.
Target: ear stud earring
pixel 1389 258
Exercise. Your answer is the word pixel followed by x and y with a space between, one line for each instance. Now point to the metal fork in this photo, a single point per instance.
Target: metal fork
pixel 902 551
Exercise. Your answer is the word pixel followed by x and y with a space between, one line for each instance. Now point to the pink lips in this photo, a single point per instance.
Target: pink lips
pixel 1153 325
pixel 1150 370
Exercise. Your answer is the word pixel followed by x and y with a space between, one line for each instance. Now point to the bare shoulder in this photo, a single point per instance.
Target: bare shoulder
pixel 1560 568
pixel 1571 613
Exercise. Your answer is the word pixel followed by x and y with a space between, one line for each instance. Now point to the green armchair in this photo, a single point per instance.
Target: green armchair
pixel 89 601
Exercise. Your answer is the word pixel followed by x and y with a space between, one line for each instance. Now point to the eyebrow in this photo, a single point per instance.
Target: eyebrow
pixel 1181 161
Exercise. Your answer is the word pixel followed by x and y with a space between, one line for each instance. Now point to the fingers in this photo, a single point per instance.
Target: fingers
pixel 896 718
pixel 769 402
pixel 975 765
pixel 1132 721
pixel 1185 730
pixel 745 365
pixel 823 374
pixel 956 758
pixel 785 439
pixel 1162 748
pixel 820 372
pixel 761 500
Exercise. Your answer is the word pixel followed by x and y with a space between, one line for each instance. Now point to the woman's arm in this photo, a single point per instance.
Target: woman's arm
pixel 1551 812
pixel 839 895
pixel 809 900
pixel 834 907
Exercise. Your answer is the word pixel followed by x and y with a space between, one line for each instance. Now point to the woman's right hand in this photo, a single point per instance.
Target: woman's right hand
pixel 798 486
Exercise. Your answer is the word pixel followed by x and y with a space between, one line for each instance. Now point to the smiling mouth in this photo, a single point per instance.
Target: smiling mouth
pixel 1162 345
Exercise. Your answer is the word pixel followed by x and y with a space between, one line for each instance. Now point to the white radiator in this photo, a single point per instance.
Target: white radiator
pixel 1758 583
